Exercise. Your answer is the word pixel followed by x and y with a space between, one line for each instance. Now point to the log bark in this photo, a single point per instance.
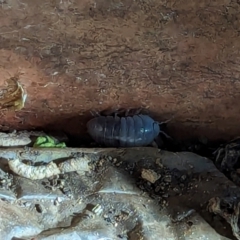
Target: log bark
pixel 176 58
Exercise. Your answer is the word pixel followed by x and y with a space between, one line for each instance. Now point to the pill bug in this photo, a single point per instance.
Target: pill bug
pixel 127 131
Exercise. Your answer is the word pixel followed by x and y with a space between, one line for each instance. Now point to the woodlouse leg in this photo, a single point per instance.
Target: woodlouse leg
pixel 133 111
pixel 107 112
pixel 111 112
pixel 127 112
pixel 114 112
pixel 154 144
pixel 120 111
pixel 95 113
pixel 138 110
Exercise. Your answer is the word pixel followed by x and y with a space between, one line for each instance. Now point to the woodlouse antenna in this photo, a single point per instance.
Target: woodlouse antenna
pixel 167 136
pixel 160 123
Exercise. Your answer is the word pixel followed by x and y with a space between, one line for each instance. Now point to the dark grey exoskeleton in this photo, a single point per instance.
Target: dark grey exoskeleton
pixel 129 131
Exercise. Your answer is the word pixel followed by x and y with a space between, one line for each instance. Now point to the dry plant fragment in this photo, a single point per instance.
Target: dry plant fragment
pixel 14 96
pixel 33 172
pixel 51 169
pixel 75 164
pixel 232 217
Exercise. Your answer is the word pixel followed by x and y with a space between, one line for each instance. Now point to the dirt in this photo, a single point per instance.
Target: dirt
pixel 174 58
pixel 126 192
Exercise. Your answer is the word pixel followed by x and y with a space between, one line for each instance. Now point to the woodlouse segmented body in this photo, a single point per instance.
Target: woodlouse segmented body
pixel 131 131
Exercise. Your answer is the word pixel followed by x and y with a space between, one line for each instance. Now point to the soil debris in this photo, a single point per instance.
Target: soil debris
pixel 229 209
pixel 108 191
pixel 6 180
pixel 14 139
pixel 227 160
pixel 159 181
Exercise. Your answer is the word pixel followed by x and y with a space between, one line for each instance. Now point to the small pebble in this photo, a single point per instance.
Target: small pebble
pixel 150 175
pixel 167 178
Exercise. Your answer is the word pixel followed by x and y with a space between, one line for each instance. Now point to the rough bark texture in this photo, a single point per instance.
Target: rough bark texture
pixel 174 57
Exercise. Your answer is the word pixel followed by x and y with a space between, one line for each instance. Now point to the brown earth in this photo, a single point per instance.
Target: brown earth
pixel 173 57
